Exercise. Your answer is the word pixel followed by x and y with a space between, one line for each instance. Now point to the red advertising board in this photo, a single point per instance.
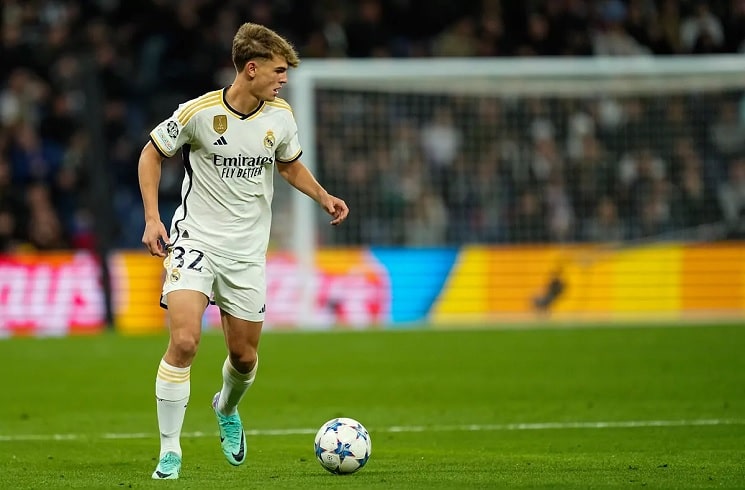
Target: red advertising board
pixel 50 294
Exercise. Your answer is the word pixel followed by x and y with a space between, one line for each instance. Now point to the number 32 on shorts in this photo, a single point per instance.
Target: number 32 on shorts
pixel 179 257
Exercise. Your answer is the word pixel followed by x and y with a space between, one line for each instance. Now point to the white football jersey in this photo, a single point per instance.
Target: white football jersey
pixel 226 195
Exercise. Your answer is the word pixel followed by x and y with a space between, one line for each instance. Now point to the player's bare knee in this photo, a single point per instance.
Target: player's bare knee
pixel 243 360
pixel 184 343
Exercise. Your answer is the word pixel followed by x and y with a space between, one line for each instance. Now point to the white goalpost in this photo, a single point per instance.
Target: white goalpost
pixel 412 89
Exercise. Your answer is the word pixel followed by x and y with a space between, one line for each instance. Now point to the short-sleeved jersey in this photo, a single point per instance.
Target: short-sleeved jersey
pixel 226 195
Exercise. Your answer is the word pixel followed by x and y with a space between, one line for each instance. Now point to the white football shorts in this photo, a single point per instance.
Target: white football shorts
pixel 237 288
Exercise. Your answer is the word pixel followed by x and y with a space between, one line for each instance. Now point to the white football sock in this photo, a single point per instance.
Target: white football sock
pixel 172 389
pixel 234 386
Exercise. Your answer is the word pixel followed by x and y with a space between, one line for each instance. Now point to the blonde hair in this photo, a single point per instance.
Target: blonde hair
pixel 256 41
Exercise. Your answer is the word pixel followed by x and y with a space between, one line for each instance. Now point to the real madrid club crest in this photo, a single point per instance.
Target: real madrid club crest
pixel 175 275
pixel 220 123
pixel 269 139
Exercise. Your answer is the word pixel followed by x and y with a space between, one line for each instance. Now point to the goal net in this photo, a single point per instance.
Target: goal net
pixel 452 151
pixel 583 157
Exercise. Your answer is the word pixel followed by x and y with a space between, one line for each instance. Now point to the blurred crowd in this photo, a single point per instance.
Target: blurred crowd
pixel 439 169
pixel 472 169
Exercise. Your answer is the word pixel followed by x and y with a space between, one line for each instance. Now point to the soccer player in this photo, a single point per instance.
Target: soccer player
pixel 231 139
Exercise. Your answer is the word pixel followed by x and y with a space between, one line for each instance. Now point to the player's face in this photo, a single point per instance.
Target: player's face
pixel 271 75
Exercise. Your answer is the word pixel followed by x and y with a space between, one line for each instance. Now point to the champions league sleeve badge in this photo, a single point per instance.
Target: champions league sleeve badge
pixel 172 128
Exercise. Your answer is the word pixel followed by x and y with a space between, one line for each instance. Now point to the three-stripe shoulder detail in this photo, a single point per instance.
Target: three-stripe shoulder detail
pixel 280 104
pixel 190 109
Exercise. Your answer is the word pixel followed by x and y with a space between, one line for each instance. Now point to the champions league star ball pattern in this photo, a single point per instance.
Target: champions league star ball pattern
pixel 342 446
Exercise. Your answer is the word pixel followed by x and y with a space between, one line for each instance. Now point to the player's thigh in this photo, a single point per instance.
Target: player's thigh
pixel 186 309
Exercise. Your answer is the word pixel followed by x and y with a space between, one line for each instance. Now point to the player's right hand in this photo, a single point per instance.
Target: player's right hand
pixel 155 238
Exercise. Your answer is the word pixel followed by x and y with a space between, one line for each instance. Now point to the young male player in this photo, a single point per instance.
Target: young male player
pixel 231 140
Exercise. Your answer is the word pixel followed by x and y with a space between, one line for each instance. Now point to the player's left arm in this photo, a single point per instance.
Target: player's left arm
pixel 303 180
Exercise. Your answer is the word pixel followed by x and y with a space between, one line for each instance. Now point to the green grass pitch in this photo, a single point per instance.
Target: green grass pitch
pixel 655 407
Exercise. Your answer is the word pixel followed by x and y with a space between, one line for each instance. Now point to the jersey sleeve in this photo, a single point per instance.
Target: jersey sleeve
pixel 170 135
pixel 289 150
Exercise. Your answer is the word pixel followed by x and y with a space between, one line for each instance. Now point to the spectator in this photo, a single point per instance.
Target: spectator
pixel 20 99
pixel 654 218
pixel 734 27
pixel 694 203
pixel 669 20
pixel 366 33
pixel 701 31
pixel 612 39
pixel 528 222
pixel 491 34
pixel 560 218
pixel 32 158
pixel 639 173
pixel 677 126
pixel 43 227
pixel 731 194
pixel 58 123
pixel 492 192
pixel 605 225
pixel 427 221
pixel 590 177
pixel 441 142
pixel 727 133
pixel 574 21
pixel 12 210
pixel 392 197
pixel 330 39
pixel 538 40
pixel 8 226
pixel 71 181
pixel 460 198
pixel 458 40
pixel 359 192
pixel 639 18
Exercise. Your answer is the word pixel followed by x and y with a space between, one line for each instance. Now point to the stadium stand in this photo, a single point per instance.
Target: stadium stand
pixel 571 178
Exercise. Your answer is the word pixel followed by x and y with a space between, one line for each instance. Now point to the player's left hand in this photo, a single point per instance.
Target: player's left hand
pixel 337 208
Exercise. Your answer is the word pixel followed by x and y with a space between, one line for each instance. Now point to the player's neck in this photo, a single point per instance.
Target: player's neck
pixel 240 98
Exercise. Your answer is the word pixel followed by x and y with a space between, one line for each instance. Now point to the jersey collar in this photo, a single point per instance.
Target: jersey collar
pixel 238 113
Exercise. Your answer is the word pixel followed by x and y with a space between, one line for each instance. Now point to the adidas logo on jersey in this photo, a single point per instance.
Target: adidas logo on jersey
pixel 221 141
pixel 263 309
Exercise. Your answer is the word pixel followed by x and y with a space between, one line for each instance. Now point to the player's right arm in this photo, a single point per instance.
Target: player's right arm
pixel 165 140
pixel 155 237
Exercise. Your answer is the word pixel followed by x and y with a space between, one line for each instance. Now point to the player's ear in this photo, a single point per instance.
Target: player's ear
pixel 250 69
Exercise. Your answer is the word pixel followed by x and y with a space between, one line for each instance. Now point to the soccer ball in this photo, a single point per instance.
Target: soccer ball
pixel 342 445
